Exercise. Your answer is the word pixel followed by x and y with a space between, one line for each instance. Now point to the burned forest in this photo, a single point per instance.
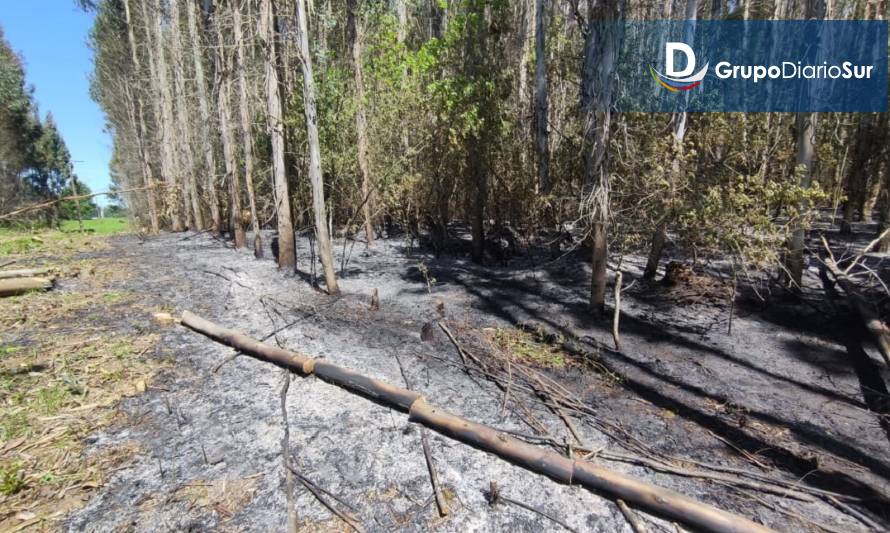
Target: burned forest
pixel 448 265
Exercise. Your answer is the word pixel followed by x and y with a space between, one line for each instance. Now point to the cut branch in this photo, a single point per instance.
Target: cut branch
pixel 866 311
pixel 16 286
pixel 51 203
pixel 23 273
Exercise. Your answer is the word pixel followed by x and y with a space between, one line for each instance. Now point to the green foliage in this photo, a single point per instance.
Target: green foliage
pixel 69 208
pixel 12 479
pixel 449 100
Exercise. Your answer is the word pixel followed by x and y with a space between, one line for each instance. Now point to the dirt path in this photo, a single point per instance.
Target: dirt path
pixel 210 441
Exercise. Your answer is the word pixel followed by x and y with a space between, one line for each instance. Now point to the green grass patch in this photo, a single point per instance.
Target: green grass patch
pixel 12 479
pixel 98 226
pixel 51 399
pixel 14 425
pixel 19 241
pixel 8 349
pixel 112 297
pixel 19 245
pixel 522 345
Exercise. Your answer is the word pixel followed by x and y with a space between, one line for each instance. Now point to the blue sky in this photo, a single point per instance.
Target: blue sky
pixel 51 36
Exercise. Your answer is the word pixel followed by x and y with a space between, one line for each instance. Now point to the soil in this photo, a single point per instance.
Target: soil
pixel 778 395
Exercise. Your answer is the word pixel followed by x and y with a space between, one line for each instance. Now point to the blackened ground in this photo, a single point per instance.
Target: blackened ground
pixel 781 389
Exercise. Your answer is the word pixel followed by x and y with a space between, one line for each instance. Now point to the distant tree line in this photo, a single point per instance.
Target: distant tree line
pixel 445 118
pixel 34 162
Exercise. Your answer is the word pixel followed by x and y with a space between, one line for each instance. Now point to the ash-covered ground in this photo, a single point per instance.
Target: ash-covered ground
pixel 779 395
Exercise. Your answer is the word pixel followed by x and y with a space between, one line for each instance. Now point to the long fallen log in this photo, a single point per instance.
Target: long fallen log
pixel 16 286
pixel 866 311
pixel 652 498
pixel 23 273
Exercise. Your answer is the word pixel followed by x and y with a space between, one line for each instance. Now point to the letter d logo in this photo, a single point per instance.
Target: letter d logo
pixel 679 80
pixel 670 50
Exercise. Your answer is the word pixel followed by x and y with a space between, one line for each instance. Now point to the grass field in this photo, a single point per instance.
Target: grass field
pixel 67 358
pixel 98 226
pixel 17 241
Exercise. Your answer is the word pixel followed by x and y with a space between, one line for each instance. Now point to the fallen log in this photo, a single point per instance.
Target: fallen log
pixel 866 311
pixel 23 273
pixel 649 497
pixel 16 286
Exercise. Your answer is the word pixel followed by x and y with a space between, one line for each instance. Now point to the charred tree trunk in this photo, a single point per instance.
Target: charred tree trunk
pixel 476 162
pixel 287 253
pixel 246 132
pixel 542 130
pixel 223 101
pixel 680 121
pixel 315 177
pixel 600 50
pixel 205 117
pixel 806 149
pixel 356 36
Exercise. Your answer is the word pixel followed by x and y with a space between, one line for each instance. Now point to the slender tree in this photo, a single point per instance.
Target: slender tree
pixel 600 53
pixel 205 118
pixel 355 25
pixel 542 130
pixel 167 123
pixel 142 134
pixel 246 130
pixel 224 102
pixel 679 120
pixel 287 255
pixel 805 124
pixel 315 177
pixel 184 116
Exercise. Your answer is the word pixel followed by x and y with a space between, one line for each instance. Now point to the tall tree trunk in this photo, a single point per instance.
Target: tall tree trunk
pixel 884 204
pixel 287 254
pixel 680 120
pixel 524 15
pixel 600 51
pixel 168 163
pixel 224 99
pixel 542 130
pixel 315 177
pixel 204 109
pixel 246 132
pixel 184 115
pixel 142 132
pixel 402 17
pixel 475 52
pixel 355 30
pixel 806 149
pixel 870 198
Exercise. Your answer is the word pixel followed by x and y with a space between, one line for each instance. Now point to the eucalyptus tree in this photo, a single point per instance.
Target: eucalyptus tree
pixel 224 110
pixel 287 257
pixel 205 123
pixel 246 126
pixel 142 136
pixel 315 176
pixel 601 44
